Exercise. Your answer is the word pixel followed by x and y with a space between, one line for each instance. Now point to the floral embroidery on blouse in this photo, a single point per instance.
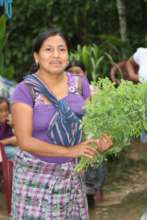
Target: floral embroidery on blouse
pixel 72 88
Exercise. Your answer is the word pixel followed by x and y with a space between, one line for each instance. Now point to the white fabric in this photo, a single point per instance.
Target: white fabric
pixel 140 57
pixel 144 216
pixel 6 87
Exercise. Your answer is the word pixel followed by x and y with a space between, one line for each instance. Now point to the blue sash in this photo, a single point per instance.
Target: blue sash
pixel 64 128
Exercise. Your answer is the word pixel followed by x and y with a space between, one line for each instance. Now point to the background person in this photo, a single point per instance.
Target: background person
pixel 139 59
pixel 94 177
pixel 138 62
pixel 76 67
pixel 7 136
pixel 47 109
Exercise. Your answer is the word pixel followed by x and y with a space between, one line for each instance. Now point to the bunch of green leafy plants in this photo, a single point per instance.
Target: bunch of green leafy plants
pixel 119 112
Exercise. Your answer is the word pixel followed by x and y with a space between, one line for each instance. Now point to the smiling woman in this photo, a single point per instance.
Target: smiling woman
pixel 52 56
pixel 47 110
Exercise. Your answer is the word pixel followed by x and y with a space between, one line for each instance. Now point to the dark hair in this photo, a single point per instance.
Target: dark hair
pixel 40 40
pixel 3 99
pixel 76 63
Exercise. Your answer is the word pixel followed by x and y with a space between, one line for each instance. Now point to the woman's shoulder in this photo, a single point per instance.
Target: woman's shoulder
pixel 21 88
pixel 22 93
pixel 21 85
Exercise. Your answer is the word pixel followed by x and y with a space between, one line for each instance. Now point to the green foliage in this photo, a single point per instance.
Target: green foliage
pixel 3 39
pixel 75 18
pixel 32 17
pixel 91 56
pixel 98 58
pixel 7 72
pixel 119 112
pixel 136 22
pixel 115 47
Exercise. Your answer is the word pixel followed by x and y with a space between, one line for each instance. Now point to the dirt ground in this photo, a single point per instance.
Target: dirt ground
pixel 125 191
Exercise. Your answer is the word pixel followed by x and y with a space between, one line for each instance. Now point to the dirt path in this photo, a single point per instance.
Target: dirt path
pixel 126 188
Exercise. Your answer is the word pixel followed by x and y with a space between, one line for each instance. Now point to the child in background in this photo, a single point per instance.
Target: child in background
pixel 94 177
pixel 78 68
pixel 6 132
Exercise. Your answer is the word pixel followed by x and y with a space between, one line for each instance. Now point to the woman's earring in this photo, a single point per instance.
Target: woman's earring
pixel 37 65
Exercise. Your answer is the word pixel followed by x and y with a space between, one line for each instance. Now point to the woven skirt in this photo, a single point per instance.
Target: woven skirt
pixel 47 191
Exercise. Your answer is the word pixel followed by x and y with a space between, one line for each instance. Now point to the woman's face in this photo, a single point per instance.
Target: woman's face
pixel 53 55
pixel 4 112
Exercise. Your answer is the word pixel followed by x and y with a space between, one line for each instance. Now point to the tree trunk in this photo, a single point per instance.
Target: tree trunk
pixel 122 19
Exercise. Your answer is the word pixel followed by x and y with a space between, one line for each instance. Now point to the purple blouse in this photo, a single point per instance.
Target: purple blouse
pixel 43 111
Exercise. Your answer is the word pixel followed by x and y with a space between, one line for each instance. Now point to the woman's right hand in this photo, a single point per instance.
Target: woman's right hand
pixel 83 149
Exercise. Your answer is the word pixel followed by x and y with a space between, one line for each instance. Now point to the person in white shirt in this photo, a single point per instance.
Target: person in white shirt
pixel 139 59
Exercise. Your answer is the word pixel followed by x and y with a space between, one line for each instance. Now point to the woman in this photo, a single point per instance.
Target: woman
pixel 46 111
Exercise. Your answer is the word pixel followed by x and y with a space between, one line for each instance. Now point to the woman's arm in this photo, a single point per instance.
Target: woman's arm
pixel 10 140
pixel 22 115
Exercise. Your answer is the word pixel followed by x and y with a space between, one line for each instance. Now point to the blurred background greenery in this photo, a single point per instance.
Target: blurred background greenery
pixel 101 32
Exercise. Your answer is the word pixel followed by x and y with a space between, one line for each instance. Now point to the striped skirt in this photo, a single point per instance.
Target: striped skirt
pixel 47 191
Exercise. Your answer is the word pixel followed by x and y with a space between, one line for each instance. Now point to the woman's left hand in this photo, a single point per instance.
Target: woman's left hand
pixel 104 142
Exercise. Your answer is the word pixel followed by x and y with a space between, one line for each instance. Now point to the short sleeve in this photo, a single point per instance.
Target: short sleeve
pixel 22 94
pixel 137 55
pixel 86 92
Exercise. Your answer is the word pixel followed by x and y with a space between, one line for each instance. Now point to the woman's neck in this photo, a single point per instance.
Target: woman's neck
pixel 51 79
